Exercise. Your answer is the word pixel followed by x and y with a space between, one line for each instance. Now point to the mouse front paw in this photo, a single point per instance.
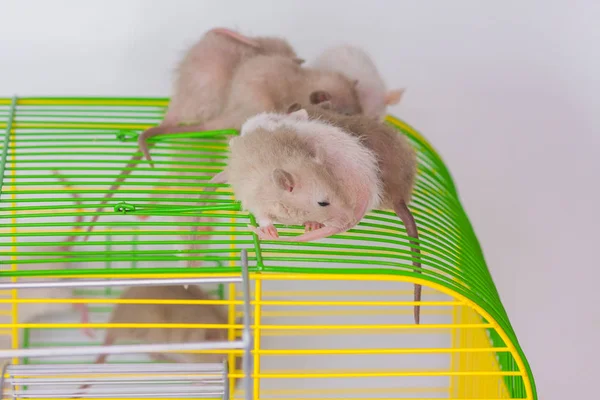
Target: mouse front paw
pixel 268 232
pixel 312 226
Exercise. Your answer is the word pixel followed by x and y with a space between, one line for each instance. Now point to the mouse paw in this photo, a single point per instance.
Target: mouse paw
pixel 268 232
pixel 312 226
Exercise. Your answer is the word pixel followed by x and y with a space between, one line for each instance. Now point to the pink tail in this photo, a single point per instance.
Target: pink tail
pixel 411 229
pixel 78 218
pixel 107 196
pixel 100 360
pixel 142 138
pixel 143 146
pixel 236 36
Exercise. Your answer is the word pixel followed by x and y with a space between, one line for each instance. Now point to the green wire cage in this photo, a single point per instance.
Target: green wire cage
pixel 332 318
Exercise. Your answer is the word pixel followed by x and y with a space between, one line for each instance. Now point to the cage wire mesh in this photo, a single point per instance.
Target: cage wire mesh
pixel 127 380
pixel 191 380
pixel 332 318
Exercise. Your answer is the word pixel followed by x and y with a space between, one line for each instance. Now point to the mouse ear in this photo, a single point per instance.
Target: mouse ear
pixel 319 96
pixel 300 114
pixel 283 179
pixel 394 96
pixel 294 107
pixel 299 61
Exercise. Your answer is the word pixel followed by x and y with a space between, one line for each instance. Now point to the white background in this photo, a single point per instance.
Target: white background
pixel 507 91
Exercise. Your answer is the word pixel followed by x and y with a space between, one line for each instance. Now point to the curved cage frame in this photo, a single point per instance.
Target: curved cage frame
pixel 87 140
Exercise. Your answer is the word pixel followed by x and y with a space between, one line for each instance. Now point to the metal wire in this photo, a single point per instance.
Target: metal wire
pixel 116 282
pixel 125 381
pixel 120 349
pixel 146 385
pixel 89 140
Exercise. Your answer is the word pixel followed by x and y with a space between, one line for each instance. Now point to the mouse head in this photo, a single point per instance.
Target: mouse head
pixel 339 90
pixel 306 188
pixel 270 46
pixel 298 183
pixel 309 193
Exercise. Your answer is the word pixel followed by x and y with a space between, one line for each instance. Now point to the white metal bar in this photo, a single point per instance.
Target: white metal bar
pixel 120 349
pixel 172 394
pixel 225 380
pixel 116 282
pixel 213 377
pixel 176 380
pixel 51 369
pixel 155 389
pixel 247 334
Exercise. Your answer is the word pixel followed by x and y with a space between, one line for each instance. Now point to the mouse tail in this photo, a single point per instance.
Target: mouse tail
pixel 101 359
pixel 143 146
pixel 78 218
pixel 161 130
pixel 408 219
pixel 126 171
pixel 148 134
pixel 236 36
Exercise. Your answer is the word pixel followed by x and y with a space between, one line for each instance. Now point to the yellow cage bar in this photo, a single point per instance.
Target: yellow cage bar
pixel 333 319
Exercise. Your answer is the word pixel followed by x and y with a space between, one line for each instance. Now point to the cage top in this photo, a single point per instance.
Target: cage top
pixel 86 141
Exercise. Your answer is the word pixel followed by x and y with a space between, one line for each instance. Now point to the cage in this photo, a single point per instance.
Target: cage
pixel 331 319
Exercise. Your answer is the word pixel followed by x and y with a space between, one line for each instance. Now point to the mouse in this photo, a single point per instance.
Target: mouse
pixel 168 314
pixel 202 81
pixel 272 83
pixel 397 161
pixel 395 171
pixel 297 171
pixel 356 63
pixel 203 77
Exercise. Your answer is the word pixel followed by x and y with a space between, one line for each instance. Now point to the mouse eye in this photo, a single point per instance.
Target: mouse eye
pixel 323 203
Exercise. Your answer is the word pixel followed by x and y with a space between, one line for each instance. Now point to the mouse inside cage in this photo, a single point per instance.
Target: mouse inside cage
pixel 162 291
